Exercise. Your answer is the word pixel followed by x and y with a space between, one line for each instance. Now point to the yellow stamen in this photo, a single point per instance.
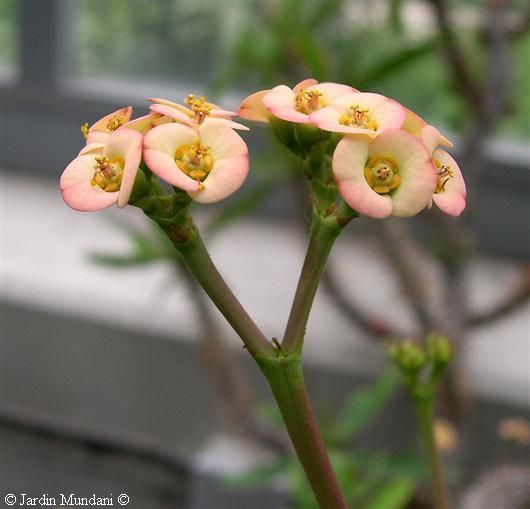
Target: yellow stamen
pixel 308 101
pixel 445 174
pixel 108 173
pixel 381 174
pixel 357 117
pixel 194 160
pixel 200 107
pixel 85 129
pixel 115 122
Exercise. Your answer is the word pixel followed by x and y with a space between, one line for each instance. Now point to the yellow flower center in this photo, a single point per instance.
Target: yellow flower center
pixel 108 173
pixel 200 107
pixel 115 122
pixel 358 117
pixel 445 174
pixel 195 161
pixel 84 130
pixel 308 101
pixel 382 175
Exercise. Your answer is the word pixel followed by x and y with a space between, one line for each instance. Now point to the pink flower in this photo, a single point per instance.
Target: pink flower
pixel 450 192
pixel 209 161
pixel 392 174
pixel 100 130
pixel 198 112
pixel 359 113
pixel 103 174
pixel 293 105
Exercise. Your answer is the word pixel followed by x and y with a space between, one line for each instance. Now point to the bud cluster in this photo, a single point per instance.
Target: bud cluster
pixel 422 366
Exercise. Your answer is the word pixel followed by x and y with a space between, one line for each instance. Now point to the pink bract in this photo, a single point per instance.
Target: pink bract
pixel 78 191
pixel 450 194
pixel 229 155
pixel 101 130
pixel 418 177
pixel 359 113
pixel 281 101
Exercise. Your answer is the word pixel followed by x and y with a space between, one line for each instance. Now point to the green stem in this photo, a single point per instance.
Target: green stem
pixel 196 257
pixel 425 411
pixel 324 231
pixel 286 379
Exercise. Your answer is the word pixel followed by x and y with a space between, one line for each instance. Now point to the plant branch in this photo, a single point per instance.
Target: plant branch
pixel 425 410
pixel 324 231
pixel 197 259
pixel 286 380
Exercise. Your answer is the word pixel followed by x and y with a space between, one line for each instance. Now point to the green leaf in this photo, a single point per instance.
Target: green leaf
pixel 122 262
pixel 258 476
pixel 364 405
pixel 392 495
pixel 394 63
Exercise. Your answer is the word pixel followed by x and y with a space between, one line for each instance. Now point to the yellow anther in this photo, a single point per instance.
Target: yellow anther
pixel 108 173
pixel 445 174
pixel 85 129
pixel 194 160
pixel 115 122
pixel 381 174
pixel 308 101
pixel 357 117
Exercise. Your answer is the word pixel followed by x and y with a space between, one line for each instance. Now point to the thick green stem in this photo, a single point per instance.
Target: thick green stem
pixel 324 231
pixel 196 257
pixel 425 410
pixel 285 377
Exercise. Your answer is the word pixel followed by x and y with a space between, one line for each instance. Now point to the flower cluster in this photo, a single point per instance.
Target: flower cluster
pixel 192 147
pixel 386 160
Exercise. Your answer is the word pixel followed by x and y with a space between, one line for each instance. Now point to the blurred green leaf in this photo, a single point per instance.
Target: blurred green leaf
pixel 123 262
pixel 392 495
pixel 258 476
pixel 364 405
pixel 396 62
pixel 394 16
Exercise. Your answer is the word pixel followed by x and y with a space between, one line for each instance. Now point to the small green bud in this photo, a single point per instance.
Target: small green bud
pixel 409 356
pixel 440 353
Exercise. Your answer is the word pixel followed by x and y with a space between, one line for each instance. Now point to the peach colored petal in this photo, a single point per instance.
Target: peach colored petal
pixel 452 200
pixel 127 144
pixel 160 145
pixel 418 176
pixel 328 117
pixel 349 161
pixel 413 123
pixel 309 82
pixel 432 138
pixel 227 122
pixel 97 137
pixel 280 101
pixel 226 177
pixel 252 108
pixel 95 148
pixel 143 124
pixel 101 124
pixel 332 90
pixel 223 141
pixel 171 112
pixel 77 191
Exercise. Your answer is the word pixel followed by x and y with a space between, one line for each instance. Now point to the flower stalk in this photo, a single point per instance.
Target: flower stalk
pixel 285 376
pixel 425 412
pixel 324 231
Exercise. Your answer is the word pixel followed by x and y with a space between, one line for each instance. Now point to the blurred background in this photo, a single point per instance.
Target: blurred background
pixel 117 376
